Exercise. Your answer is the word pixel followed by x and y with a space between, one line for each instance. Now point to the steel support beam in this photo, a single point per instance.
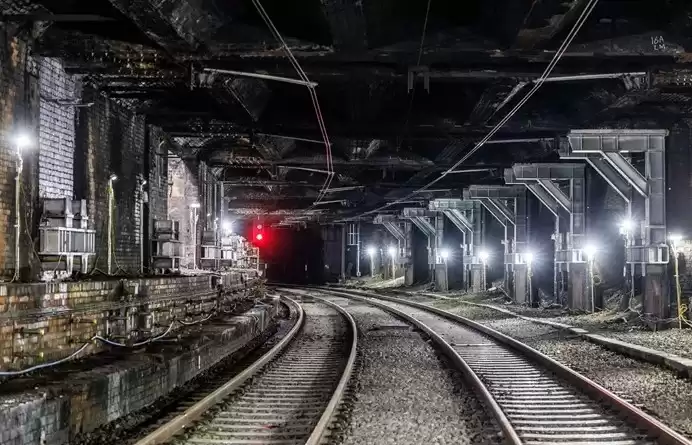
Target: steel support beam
pixel 460 213
pixel 420 218
pixel 402 231
pixel 558 195
pixel 569 258
pixel 507 204
pixel 648 252
pixel 601 166
pixel 476 268
pixel 440 268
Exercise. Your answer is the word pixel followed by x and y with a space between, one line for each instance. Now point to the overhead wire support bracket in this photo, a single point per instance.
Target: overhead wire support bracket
pixel 261 76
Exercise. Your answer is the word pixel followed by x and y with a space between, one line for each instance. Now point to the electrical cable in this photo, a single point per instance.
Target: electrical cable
pixel 420 56
pixel 108 342
pixel 586 12
pixel 313 96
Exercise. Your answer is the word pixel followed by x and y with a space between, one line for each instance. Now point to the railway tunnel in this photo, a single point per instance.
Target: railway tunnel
pixel 423 221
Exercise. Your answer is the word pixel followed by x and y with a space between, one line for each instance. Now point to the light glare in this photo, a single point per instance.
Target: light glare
pixel 529 257
pixel 392 251
pixel 444 253
pixel 371 250
pixel 590 250
pixel 23 140
pixel 675 237
pixel 484 255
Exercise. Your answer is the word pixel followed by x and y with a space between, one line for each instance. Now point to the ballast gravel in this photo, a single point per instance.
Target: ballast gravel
pixel 403 394
pixel 655 390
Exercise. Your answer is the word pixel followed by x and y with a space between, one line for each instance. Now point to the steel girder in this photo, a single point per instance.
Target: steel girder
pixel 391 223
pixel 609 146
pixel 539 179
pixel 507 204
pixel 602 167
pixel 457 210
pixel 420 218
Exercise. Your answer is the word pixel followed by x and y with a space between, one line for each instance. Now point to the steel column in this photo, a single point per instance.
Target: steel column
pixel 539 179
pixel 440 274
pixel 508 205
pixel 649 258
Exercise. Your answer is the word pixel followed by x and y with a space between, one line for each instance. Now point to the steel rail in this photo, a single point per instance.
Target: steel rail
pixel 196 411
pixel 320 429
pixel 510 434
pixel 659 431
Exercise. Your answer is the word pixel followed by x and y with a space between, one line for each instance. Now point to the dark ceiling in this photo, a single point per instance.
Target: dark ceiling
pixel 400 106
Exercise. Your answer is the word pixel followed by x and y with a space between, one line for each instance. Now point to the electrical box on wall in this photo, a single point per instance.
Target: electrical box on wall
pixel 65 240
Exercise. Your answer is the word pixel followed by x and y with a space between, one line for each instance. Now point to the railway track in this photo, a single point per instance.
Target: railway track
pixel 289 396
pixel 535 400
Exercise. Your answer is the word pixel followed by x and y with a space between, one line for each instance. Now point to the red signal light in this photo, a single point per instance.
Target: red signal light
pixel 259 226
pixel 259 237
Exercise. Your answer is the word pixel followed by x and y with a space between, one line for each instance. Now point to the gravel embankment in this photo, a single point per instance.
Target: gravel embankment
pixel 403 394
pixel 655 390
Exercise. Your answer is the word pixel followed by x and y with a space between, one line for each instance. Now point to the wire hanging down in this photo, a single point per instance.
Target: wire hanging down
pixel 537 85
pixel 313 96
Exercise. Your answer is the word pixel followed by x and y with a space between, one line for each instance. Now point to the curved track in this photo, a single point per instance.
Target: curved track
pixel 534 399
pixel 288 396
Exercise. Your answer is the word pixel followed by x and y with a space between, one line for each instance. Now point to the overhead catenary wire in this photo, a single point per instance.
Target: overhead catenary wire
pixel 586 12
pixel 311 89
pixel 418 60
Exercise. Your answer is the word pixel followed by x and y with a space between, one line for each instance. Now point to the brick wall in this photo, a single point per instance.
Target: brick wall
pixel 56 129
pixel 113 388
pixel 18 113
pixel 184 191
pixel 44 322
pixel 158 175
pixel 111 141
pixel 76 150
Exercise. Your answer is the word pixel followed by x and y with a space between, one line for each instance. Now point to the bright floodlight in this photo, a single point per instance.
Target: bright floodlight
pixel 227 226
pixel 23 141
pixel 529 257
pixel 627 225
pixel 144 183
pixel 113 177
pixel 675 237
pixel 590 250
pixel 392 251
pixel 194 205
pixel 371 250
pixel 444 253
pixel 484 255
